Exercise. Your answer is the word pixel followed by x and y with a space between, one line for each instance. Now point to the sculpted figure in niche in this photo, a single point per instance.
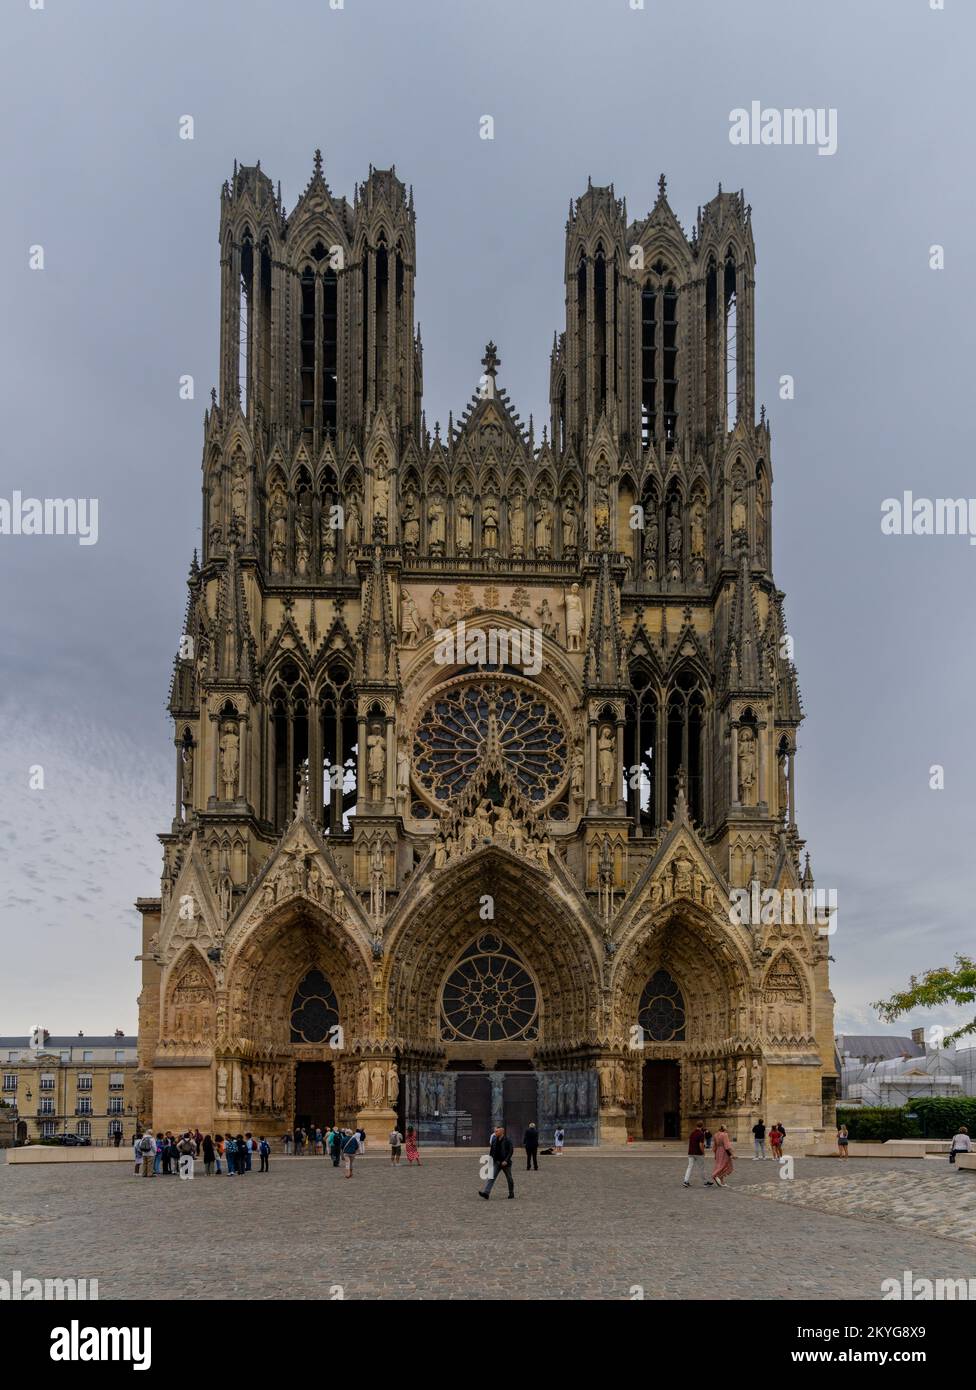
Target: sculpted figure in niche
pixel 601 507
pixel 392 1086
pixel 403 771
pixel 464 527
pixel 237 1085
pixel 228 761
pixel 362 1086
pixel 574 619
pixel 221 1086
pixel 721 1085
pixel 741 1091
pixel 436 524
pixel 239 496
pixel 376 761
pixel 747 767
pixel 303 536
pixel 695 1087
pixel 674 539
pixel 739 514
pixel 606 764
pixel 707 1083
pixel 682 870
pixel 377 1086
pixel 783 783
pixel 698 528
pixel 576 774
pixel 543 527
pixel 381 492
pixel 570 526
pixel 489 524
pixel 187 778
pixel 410 522
pixel 651 540
pixel 756 1093
pixel 516 525
pixel 216 505
pixel 279 529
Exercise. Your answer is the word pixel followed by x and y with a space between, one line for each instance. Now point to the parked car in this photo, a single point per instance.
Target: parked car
pixel 72 1139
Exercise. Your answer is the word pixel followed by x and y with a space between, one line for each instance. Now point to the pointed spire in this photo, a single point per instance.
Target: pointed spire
pixel 317 164
pixel 662 188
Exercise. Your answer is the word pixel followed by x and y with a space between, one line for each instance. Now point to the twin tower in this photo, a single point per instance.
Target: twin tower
pixel 350 791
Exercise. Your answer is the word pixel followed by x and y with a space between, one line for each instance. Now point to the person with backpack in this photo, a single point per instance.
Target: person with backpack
pixel 160 1147
pixel 209 1154
pixel 230 1155
pixel 759 1140
pixel 147 1151
pixel 264 1149
pixel 396 1145
pixel 350 1148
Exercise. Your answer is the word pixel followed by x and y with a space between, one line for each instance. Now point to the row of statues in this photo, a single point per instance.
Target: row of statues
pixel 491 824
pixel 681 878
pixel 723 1083
pixel 377 1085
pixel 256 1088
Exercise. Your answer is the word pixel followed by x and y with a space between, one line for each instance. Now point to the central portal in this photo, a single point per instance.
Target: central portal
pixel 314 1095
pixel 662 1103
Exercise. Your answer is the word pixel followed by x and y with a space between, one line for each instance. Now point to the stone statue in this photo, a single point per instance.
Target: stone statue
pixel 673 529
pixel 747 767
pixel 739 514
pixel 411 627
pixel 741 1087
pixel 544 614
pixel 354 522
pixel 651 541
pixel 381 493
pixel 392 1087
pixel 377 1087
pixel 303 541
pixel 489 524
pixel 237 1085
pixel 601 507
pixel 756 1093
pixel 574 620
pixel 721 1084
pixel 682 869
pixel 221 1087
pixel 695 1088
pixel 440 615
pixel 503 825
pixel 403 771
pixel 436 524
pixel 279 529
pixel 362 1086
pixel 606 765
pixel 698 527
pixel 239 497
pixel 783 782
pixel 707 1083
pixel 410 522
pixel 516 524
pixel 376 762
pixel 543 527
pixel 228 761
pixel 570 527
pixel 464 525
pixel 216 505
pixel 576 774
pixel 186 795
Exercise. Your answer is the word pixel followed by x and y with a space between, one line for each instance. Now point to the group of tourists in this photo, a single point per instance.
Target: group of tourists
pixel 159 1155
pixel 776 1136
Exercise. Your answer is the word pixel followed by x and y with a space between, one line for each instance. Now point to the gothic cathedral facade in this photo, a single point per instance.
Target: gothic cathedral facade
pixel 479 735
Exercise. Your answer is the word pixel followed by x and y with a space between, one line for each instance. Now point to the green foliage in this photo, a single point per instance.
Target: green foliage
pixel 938 1118
pixel 878 1122
pixel 943 985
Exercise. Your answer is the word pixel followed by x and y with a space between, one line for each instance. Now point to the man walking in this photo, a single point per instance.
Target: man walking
pixel 396 1145
pixel 264 1149
pixel 696 1154
pixel 759 1140
pixel 500 1154
pixel 530 1140
pixel 147 1152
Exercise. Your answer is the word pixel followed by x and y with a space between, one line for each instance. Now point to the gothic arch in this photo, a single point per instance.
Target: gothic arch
pixel 188 997
pixel 533 915
pixel 786 996
pixel 272 957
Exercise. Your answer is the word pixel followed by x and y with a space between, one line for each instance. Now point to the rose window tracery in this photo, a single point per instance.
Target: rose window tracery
pixel 661 1013
pixel 489 996
pixel 461 721
pixel 314 1009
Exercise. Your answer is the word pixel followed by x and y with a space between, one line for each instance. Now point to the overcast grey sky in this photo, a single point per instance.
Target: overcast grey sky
pixel 91 350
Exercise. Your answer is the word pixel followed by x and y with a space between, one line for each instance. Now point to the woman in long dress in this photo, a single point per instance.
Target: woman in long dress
pixel 723 1157
pixel 413 1150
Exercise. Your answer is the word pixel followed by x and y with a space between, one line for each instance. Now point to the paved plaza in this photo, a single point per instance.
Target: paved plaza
pixel 590 1225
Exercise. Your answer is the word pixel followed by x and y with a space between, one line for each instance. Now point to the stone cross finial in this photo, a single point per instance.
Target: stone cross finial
pixel 318 162
pixel 662 186
pixel 491 361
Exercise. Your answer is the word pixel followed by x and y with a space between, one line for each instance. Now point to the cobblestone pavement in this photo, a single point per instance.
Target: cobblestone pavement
pixel 580 1228
pixel 940 1204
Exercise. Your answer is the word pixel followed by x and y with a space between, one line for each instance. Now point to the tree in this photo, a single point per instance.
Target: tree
pixel 940 986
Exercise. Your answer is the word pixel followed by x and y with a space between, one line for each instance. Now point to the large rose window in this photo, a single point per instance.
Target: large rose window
pixel 463 718
pixel 661 1012
pixel 489 996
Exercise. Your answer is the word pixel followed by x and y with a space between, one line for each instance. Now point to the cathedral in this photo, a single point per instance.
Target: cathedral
pixel 480 734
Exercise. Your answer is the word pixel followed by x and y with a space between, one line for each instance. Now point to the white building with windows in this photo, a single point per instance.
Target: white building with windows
pixel 885 1070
